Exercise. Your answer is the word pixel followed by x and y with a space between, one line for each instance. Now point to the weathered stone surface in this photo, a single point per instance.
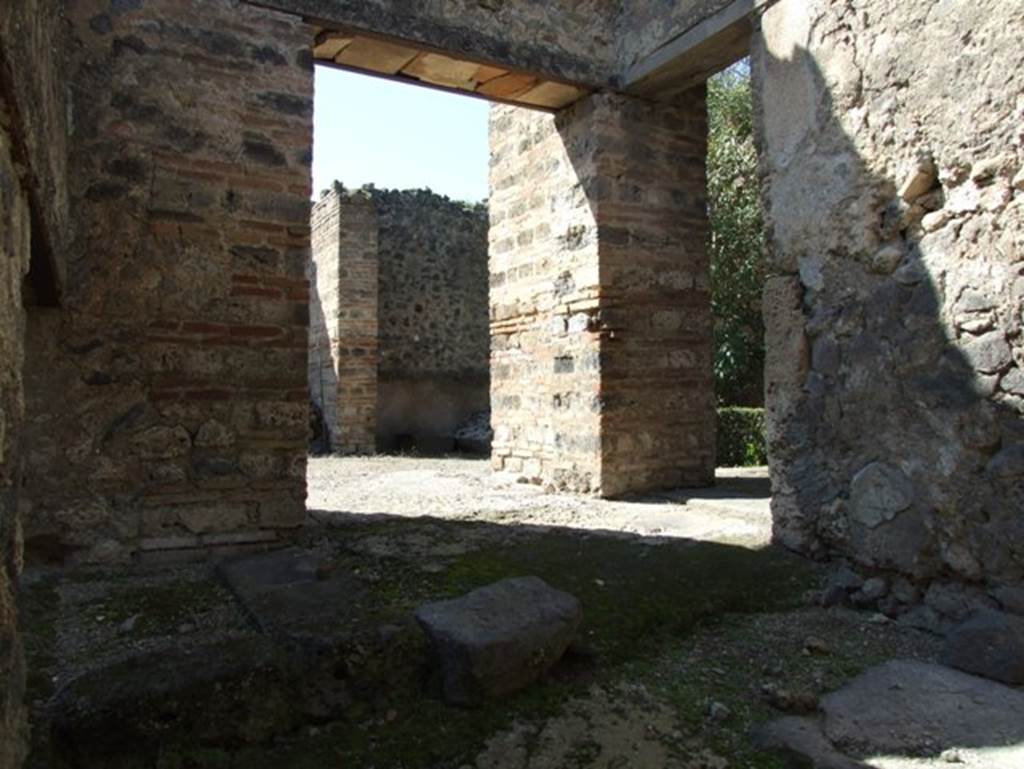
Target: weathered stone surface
pixel 14 264
pixel 899 448
pixel 910 708
pixel 878 493
pixel 989 644
pixel 401 299
pixel 906 713
pixel 32 40
pixel 577 42
pixel 344 320
pixel 34 234
pixel 884 461
pixel 500 638
pixel 956 601
pixel 872 591
pixel 1010 598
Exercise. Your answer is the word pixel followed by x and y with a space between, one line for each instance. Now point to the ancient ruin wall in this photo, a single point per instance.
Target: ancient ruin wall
pixel 33 225
pixel 894 168
pixel 600 312
pixel 644 26
pixel 434 340
pixel 657 388
pixel 31 54
pixel 399 340
pixel 570 39
pixel 172 407
pixel 545 405
pixel 14 263
pixel 344 320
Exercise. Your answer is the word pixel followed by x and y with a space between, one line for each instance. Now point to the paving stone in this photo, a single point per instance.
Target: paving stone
pixel 907 708
pixel 906 714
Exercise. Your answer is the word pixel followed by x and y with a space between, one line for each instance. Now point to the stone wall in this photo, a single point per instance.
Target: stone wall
pixel 600 312
pixel 33 231
pixel 170 406
pixel 14 265
pixel 343 342
pixel 402 284
pixel 31 52
pixel 893 164
pixel 569 39
pixel 434 340
pixel 545 404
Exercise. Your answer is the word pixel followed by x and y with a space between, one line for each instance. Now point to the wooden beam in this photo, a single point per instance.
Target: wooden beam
pixel 376 55
pixel 423 84
pixel 443 70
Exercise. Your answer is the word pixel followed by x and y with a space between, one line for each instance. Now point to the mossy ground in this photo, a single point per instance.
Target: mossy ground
pixel 687 623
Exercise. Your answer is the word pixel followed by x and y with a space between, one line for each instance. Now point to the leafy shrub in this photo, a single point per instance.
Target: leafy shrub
pixel 736 239
pixel 741 440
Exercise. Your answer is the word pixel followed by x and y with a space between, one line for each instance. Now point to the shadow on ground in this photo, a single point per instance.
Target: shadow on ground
pixel 313 659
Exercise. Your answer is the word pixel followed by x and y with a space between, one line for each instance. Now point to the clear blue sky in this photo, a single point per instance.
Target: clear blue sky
pixel 368 130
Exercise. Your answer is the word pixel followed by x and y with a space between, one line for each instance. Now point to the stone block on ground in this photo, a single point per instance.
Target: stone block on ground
pixel 989 644
pixel 500 638
pixel 294 591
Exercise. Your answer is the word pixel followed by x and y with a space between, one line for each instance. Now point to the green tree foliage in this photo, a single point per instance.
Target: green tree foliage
pixel 737 240
pixel 741 437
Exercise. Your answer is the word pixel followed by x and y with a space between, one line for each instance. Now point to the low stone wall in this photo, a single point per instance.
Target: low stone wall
pixel 401 279
pixel 893 164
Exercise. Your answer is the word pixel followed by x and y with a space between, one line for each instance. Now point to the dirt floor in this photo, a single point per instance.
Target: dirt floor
pixel 695 632
pixel 736 511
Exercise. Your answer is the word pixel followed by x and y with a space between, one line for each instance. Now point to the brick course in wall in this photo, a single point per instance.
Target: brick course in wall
pixel 344 333
pixel 600 308
pixel 169 405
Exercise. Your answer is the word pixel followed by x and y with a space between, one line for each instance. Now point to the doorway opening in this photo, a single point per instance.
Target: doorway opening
pixel 399 338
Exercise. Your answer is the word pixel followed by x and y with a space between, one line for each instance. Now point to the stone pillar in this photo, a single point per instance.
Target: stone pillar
pixel 343 333
pixel 600 305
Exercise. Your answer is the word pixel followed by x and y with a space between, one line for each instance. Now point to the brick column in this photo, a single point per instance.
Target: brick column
pixel 344 334
pixel 600 305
